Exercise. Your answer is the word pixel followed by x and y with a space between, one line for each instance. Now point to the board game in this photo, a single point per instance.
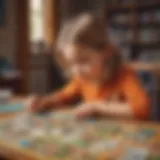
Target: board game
pixel 60 136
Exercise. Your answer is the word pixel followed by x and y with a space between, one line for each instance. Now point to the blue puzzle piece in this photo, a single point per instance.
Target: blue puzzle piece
pixel 11 107
pixel 24 143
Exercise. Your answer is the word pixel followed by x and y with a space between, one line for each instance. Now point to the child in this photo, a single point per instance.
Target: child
pixel 107 87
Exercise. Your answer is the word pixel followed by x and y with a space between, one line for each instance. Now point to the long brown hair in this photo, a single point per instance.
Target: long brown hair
pixel 86 29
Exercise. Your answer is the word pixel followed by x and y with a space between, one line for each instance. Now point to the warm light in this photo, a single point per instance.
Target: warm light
pixel 36 20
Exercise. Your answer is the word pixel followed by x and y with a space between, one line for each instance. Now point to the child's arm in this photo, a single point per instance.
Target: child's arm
pixel 115 109
pixel 137 97
pixel 137 104
pixel 84 110
pixel 58 98
pixel 111 109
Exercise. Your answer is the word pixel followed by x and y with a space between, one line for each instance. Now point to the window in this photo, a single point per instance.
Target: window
pixel 36 21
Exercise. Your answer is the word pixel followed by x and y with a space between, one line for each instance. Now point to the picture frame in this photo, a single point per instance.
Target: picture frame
pixel 2 12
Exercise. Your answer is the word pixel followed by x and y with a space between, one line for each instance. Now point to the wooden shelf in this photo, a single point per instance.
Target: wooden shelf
pixel 149 5
pixel 140 7
pixel 121 25
pixel 115 8
pixel 139 25
pixel 151 45
pixel 145 66
pixel 149 24
pixel 138 44
pixel 135 24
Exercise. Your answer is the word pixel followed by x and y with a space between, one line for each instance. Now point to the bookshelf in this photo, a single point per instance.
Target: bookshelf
pixel 135 26
pixel 120 5
pixel 141 66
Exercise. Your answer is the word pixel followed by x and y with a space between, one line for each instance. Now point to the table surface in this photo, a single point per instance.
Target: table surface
pixel 14 152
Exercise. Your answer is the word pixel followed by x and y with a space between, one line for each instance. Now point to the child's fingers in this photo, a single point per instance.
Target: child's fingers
pixel 101 107
pixel 45 104
pixel 32 103
pixel 82 114
pixel 81 108
pixel 83 111
pixel 38 104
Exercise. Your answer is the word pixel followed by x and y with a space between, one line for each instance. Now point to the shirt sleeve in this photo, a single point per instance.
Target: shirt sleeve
pixel 69 92
pixel 136 97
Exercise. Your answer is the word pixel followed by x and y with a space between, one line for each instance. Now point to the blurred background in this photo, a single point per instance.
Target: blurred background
pixel 28 31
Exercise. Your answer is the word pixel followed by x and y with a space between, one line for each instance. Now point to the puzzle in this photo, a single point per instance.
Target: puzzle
pixel 61 136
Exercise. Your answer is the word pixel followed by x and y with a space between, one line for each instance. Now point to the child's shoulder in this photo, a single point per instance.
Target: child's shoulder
pixel 127 72
pixel 128 69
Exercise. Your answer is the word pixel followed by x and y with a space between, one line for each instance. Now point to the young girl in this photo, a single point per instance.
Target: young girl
pixel 98 76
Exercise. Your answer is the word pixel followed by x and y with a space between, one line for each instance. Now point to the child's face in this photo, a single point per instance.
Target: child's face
pixel 86 62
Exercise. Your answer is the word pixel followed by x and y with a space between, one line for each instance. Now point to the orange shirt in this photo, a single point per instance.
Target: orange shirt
pixel 124 87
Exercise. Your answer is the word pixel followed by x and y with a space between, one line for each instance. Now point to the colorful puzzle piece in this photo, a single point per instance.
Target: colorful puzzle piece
pixel 11 107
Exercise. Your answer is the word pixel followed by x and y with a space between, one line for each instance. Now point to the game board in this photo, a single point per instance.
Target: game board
pixel 59 136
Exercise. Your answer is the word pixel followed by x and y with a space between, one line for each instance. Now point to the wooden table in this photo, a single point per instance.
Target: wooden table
pixel 14 153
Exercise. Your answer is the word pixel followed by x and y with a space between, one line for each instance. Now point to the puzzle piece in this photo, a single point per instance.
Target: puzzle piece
pixel 135 154
pixel 148 132
pixel 154 157
pixel 145 134
pixel 21 123
pixel 50 134
pixel 11 107
pixel 102 146
pixel 25 143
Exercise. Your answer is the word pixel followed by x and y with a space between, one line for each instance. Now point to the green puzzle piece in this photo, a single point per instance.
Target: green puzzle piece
pixel 80 143
pixel 154 158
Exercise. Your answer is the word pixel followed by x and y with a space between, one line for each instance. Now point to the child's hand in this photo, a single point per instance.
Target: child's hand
pixel 39 104
pixel 84 110
pixel 114 109
pixel 33 103
pixel 95 109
